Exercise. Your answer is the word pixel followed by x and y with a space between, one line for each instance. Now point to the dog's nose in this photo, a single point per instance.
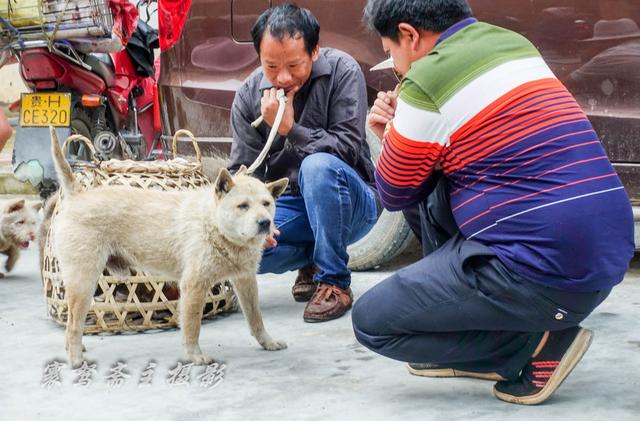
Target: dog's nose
pixel 264 225
pixel 32 236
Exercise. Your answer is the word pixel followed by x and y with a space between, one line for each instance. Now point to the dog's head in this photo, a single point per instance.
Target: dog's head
pixel 19 222
pixel 246 205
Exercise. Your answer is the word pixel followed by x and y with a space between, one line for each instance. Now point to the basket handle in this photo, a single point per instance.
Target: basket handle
pixel 174 145
pixel 82 139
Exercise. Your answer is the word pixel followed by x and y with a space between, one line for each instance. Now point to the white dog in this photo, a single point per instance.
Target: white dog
pixel 197 237
pixel 18 222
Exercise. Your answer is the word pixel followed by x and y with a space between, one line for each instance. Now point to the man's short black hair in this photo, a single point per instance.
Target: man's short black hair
pixel 287 20
pixel 384 16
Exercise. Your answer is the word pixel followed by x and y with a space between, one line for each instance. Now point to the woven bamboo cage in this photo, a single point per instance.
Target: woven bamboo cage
pixel 141 301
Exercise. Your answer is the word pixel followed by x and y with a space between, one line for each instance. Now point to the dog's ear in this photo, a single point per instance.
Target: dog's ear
pixel 36 206
pixel 224 183
pixel 278 187
pixel 242 170
pixel 15 206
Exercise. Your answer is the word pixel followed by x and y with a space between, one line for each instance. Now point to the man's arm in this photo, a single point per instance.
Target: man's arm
pixel 412 149
pixel 346 129
pixel 247 141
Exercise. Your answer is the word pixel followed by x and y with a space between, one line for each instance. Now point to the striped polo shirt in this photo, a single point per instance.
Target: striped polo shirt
pixel 527 174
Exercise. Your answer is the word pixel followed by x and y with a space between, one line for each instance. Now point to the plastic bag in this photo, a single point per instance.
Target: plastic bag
pixel 125 18
pixel 112 44
pixel 22 12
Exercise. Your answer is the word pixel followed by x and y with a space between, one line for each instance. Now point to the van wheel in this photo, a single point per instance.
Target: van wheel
pixel 389 238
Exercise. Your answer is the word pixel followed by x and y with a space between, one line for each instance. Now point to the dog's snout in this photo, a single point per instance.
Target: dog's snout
pixel 264 225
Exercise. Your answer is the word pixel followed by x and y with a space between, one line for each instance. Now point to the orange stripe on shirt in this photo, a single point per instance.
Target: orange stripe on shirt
pixel 406 162
pixel 400 184
pixel 409 146
pixel 518 94
pixel 452 156
pixel 411 160
pixel 509 123
pixel 392 176
pixel 482 150
pixel 512 157
pixel 514 109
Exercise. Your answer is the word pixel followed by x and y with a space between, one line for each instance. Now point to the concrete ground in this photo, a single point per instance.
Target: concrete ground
pixel 324 374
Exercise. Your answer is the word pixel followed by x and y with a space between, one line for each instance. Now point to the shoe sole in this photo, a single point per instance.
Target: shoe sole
pixel 317 320
pixel 572 357
pixel 309 320
pixel 301 298
pixel 450 372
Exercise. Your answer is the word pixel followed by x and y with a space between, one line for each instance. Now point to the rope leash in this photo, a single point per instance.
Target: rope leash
pixel 282 99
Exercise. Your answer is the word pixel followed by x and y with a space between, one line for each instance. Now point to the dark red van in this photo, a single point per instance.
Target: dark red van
pixel 593 46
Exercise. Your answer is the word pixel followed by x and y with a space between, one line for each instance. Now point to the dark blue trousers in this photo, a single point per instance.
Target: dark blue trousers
pixel 460 307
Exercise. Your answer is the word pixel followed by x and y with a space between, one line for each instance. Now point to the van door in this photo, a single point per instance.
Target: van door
pixel 593 47
pixel 244 14
pixel 211 60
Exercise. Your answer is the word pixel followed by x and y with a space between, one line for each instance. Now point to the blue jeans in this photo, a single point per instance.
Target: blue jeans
pixel 336 208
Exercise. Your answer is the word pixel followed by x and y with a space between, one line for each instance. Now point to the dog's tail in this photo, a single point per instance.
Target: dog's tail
pixel 63 169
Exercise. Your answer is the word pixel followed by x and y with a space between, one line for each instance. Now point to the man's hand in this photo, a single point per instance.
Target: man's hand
pixel 269 108
pixel 383 111
pixel 271 242
pixel 288 117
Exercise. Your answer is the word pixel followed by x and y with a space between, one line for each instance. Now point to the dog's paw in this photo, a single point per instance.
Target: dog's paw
pixel 75 362
pixel 268 343
pixel 274 345
pixel 200 359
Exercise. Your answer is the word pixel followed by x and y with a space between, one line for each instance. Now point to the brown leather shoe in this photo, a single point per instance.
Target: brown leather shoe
pixel 304 287
pixel 329 302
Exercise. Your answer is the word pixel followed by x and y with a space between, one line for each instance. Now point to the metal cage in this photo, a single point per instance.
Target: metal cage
pixel 49 20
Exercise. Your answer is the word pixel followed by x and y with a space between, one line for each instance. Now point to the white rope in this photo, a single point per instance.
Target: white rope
pixel 282 99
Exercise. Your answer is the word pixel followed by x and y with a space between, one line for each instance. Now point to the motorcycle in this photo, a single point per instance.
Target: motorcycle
pixel 110 98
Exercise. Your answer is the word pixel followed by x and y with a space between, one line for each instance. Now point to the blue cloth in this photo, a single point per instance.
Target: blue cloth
pixel 455 28
pixel 336 208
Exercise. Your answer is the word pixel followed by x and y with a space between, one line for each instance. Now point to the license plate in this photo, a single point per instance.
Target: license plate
pixel 45 109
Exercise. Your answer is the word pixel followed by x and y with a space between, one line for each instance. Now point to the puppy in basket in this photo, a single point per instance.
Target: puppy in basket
pixel 197 237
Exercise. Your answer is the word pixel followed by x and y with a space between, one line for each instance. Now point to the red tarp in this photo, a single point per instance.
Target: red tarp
pixel 172 15
pixel 125 19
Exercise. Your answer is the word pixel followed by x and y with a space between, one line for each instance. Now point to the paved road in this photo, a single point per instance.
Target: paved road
pixel 323 375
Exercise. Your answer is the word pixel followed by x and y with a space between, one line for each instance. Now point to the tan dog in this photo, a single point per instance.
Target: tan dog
pixel 198 236
pixel 18 222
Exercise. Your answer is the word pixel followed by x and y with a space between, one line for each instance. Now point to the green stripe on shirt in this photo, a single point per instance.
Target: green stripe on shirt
pixel 435 78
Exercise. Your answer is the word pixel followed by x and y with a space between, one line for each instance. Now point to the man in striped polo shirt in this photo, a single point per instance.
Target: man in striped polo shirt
pixel 525 224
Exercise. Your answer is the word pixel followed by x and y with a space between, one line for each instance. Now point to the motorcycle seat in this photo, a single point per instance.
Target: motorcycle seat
pixel 102 65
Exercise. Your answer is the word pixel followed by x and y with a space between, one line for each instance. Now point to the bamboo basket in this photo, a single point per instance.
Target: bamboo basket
pixel 140 302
